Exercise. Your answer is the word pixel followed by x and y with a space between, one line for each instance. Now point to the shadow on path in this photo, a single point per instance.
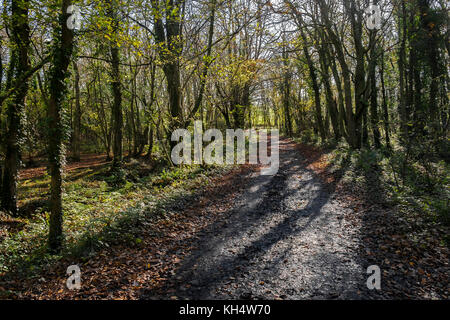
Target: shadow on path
pixel 277 241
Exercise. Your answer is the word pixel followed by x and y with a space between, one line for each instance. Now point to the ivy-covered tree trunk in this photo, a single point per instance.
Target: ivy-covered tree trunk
pixel 374 97
pixel 77 116
pixel 385 104
pixel 62 54
pixel 331 102
pixel 287 94
pixel 360 85
pixel 240 102
pixel 404 115
pixel 168 36
pixel 117 114
pixel 19 67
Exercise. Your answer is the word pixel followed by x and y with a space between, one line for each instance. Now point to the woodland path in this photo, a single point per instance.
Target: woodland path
pixel 285 237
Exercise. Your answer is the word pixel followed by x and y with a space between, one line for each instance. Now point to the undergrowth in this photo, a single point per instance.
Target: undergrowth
pixel 100 208
pixel 412 183
pixel 413 178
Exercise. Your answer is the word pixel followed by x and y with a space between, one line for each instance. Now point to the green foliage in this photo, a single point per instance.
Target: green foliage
pixel 117 177
pixel 100 209
pixel 411 181
pixel 366 159
pixel 309 137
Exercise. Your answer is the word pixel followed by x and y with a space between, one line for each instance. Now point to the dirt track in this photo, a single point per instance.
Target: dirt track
pixel 285 237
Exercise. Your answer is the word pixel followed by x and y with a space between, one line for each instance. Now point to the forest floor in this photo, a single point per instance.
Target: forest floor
pixel 304 233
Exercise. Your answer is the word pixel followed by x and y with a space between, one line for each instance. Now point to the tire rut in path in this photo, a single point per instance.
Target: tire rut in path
pixel 285 237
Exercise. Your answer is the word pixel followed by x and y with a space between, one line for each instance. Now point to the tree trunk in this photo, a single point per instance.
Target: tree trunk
pixel 374 99
pixel 360 74
pixel 287 93
pixel 150 143
pixel 19 66
pixel 168 37
pixel 331 102
pixel 117 114
pixel 385 105
pixel 77 116
pixel 402 76
pixel 63 47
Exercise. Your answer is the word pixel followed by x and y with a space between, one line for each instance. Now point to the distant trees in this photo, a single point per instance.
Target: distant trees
pixel 331 32
pixel 425 74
